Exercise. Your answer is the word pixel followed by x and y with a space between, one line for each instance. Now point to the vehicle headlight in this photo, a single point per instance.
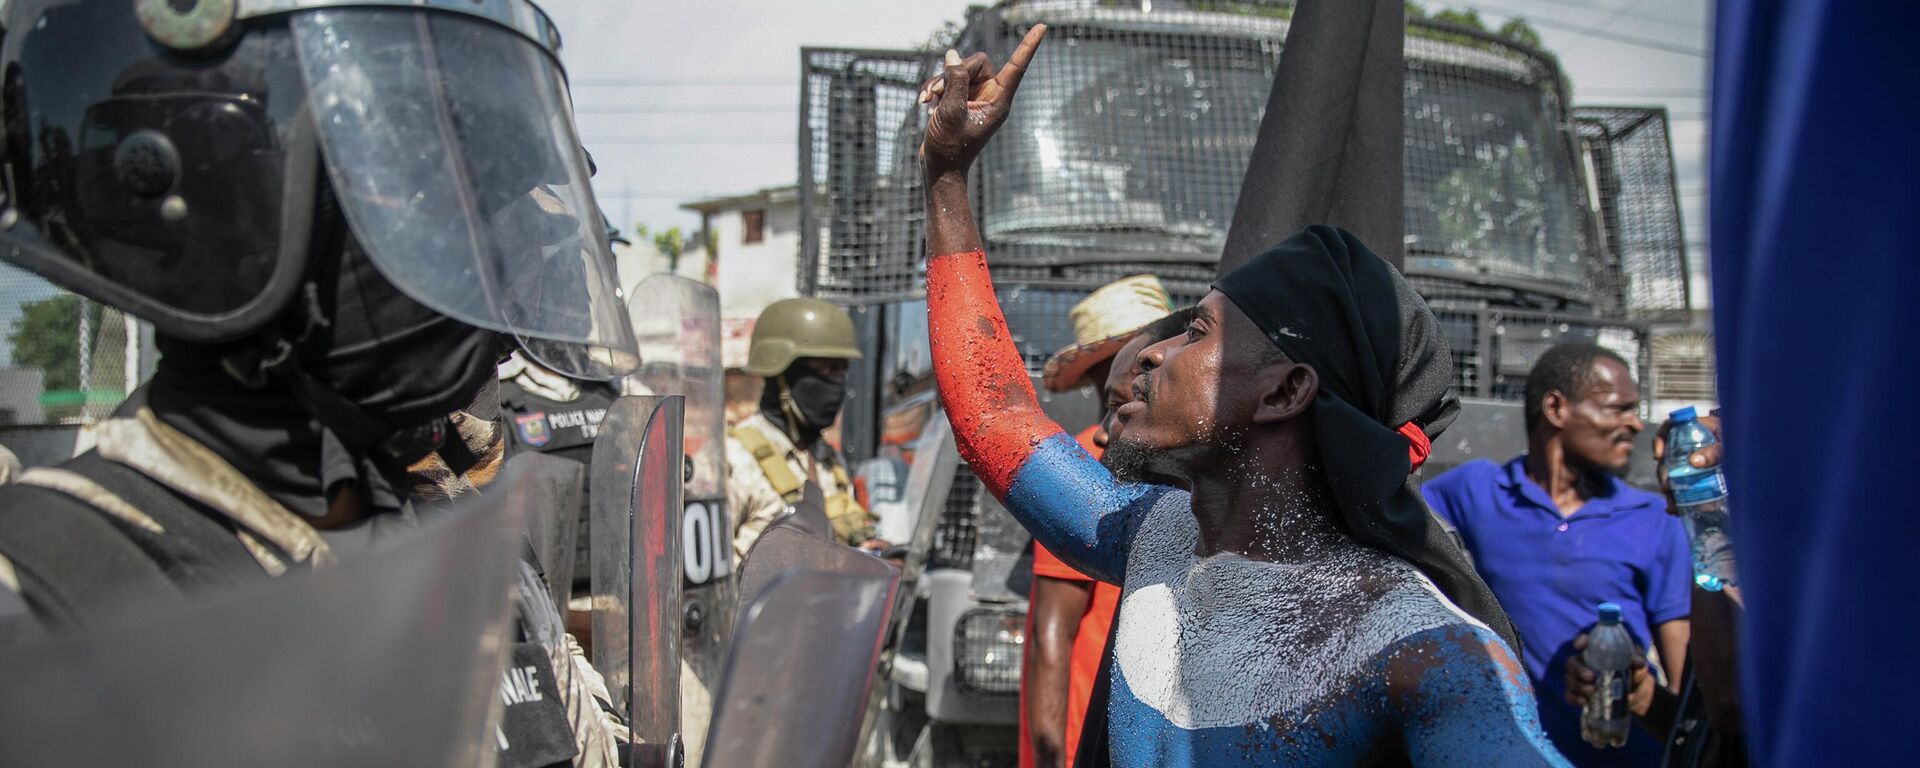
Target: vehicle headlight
pixel 987 648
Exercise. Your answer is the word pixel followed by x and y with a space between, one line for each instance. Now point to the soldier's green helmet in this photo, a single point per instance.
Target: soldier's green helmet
pixel 790 329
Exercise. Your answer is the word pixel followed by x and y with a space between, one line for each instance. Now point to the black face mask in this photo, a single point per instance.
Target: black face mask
pixel 815 400
pixel 400 362
pixel 399 367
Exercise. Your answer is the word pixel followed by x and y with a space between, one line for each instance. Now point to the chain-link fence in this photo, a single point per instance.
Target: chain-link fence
pixel 1630 154
pixel 67 360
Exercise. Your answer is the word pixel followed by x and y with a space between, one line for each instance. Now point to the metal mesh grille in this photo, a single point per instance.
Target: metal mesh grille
pixel 955 537
pixel 1683 367
pixel 1516 339
pixel 988 650
pixel 863 212
pixel 1494 348
pixel 1131 138
pixel 1631 157
pixel 67 360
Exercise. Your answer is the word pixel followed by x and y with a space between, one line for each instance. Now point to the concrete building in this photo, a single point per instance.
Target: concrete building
pixel 753 247
pixel 755 242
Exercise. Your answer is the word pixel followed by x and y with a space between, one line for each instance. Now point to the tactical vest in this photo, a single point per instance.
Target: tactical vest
pixel 851 523
pixel 91 539
pixel 566 428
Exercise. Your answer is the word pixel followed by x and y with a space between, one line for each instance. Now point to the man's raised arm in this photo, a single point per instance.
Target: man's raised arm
pixel 1064 497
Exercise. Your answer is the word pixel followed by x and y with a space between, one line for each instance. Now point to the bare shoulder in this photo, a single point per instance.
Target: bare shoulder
pixel 1456 654
pixel 1460 697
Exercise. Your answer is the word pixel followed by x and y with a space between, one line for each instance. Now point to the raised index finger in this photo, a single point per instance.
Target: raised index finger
pixel 1016 66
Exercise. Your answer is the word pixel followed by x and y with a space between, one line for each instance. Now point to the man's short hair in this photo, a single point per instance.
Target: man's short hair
pixel 1567 368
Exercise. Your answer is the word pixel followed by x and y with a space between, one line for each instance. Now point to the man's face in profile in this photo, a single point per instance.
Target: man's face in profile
pixel 1195 395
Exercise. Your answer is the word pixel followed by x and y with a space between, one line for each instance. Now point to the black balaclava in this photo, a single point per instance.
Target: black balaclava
pixel 318 400
pixel 803 402
pixel 1327 301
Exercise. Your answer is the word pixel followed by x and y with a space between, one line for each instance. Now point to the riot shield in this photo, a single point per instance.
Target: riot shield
pixel 677 323
pixel 393 657
pixel 784 548
pixel 637 473
pixel 801 663
pixel 553 526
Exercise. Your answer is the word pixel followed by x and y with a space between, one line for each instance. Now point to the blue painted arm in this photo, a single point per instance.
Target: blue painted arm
pixel 1076 509
pixel 1463 699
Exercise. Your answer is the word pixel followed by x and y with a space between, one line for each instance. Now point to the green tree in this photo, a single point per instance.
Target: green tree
pixel 671 243
pixel 1515 29
pixel 1468 18
pixel 1518 30
pixel 46 336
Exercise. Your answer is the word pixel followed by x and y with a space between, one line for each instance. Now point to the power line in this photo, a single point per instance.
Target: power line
pixel 1605 25
pixel 1588 6
pixel 655 195
pixel 1550 23
pixel 686 140
pixel 673 82
pixel 1636 91
pixel 684 109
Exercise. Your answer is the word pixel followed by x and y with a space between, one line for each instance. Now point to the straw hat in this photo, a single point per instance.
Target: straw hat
pixel 1102 324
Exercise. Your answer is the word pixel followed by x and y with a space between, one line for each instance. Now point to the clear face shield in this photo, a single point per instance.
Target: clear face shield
pixel 449 139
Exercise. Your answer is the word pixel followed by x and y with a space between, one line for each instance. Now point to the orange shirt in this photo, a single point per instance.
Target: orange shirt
pixel 1088 641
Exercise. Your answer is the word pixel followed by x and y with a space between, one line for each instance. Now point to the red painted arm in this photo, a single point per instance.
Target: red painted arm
pixel 983 381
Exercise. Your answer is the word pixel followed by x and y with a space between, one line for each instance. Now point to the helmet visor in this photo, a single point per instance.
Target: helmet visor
pixel 450 144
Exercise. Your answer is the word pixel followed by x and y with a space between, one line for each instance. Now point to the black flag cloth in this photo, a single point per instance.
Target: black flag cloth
pixel 1330 144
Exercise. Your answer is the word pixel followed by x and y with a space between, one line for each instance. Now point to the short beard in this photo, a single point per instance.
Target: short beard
pixel 1131 462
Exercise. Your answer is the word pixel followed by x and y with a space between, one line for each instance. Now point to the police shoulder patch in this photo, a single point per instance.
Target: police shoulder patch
pixel 532 428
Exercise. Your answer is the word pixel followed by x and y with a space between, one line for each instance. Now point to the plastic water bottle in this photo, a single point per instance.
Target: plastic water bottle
pixel 1702 497
pixel 1609 653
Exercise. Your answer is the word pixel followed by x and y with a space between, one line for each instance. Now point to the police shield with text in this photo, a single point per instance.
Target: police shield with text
pixel 338 217
pixel 676 322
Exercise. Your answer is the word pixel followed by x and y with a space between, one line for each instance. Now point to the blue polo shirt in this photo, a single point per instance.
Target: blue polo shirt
pixel 1551 572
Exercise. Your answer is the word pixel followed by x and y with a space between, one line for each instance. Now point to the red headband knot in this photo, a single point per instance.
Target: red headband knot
pixel 1418 447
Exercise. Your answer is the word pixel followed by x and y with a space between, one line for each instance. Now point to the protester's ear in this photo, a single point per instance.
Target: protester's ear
pixel 1291 390
pixel 1554 407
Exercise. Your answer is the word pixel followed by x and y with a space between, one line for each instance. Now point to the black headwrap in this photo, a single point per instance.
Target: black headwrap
pixel 1327 301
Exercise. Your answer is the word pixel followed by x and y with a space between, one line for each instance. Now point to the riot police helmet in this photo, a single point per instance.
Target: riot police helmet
pixel 184 160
